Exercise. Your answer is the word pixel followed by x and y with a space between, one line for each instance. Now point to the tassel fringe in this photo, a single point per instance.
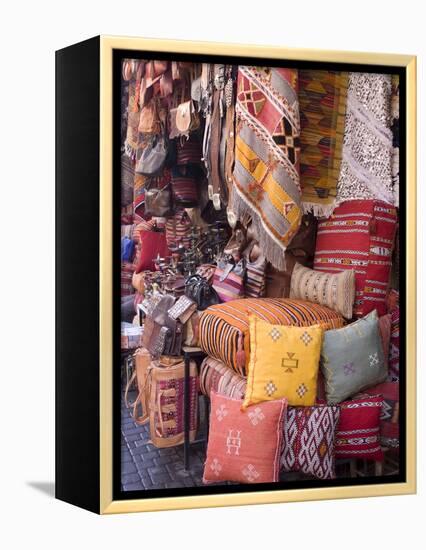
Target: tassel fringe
pixel 272 249
pixel 318 210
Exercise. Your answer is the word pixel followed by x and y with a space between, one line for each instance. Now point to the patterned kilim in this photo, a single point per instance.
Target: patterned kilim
pixel 389 416
pixel 366 167
pixel 322 98
pixel 358 432
pixel 224 328
pixel 309 440
pixel 360 236
pixel 266 173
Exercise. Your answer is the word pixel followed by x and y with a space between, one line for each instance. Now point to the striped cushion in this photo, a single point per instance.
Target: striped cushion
pixel 359 235
pixel 214 375
pixel 224 328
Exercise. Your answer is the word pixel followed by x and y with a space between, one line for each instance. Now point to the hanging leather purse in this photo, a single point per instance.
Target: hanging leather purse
pixel 149 122
pixel 153 157
pixel 187 118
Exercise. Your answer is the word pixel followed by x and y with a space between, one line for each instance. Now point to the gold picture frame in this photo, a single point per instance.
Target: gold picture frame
pixel 108 44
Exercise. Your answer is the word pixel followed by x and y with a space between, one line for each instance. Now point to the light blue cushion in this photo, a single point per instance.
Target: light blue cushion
pixel 352 358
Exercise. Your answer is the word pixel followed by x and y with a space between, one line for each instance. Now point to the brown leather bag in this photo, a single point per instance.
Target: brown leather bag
pixel 166 401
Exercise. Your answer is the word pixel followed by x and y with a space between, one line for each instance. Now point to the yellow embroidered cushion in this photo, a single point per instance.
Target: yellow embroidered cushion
pixel 284 362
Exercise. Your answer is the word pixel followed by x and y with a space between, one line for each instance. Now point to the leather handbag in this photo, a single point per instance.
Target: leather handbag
pixel 199 290
pixel 182 309
pixel 154 156
pixel 166 401
pixel 187 118
pixel 149 122
pixel 228 280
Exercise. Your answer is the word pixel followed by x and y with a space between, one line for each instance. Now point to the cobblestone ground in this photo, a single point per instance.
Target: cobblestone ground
pixel 143 466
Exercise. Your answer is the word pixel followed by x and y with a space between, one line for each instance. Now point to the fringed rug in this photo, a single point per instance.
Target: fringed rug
pixel 322 99
pixel 266 173
pixel 366 168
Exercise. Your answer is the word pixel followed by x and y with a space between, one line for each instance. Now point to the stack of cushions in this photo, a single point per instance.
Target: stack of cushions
pixel 224 328
pixel 359 236
pixel 284 365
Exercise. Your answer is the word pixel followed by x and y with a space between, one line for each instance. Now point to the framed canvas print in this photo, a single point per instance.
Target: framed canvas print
pixel 235 259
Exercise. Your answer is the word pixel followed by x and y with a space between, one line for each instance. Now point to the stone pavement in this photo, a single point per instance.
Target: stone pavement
pixel 143 466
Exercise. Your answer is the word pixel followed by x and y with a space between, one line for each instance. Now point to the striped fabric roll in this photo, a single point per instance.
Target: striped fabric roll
pixel 224 328
pixel 216 376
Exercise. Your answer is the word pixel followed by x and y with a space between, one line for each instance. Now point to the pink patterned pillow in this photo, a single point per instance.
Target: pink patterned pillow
pixel 244 446
pixel 309 435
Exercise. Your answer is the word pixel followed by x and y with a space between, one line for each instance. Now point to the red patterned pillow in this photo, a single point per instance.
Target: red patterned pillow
pixel 358 432
pixel 309 434
pixel 389 416
pixel 359 235
pixel 244 446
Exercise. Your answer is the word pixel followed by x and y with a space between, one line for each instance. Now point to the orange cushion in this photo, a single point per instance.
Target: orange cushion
pixel 244 446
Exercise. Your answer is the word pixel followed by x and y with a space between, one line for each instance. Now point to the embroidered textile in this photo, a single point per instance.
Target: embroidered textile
pixel 309 434
pixel 266 172
pixel 284 362
pixel 336 290
pixel 322 98
pixel 352 358
pixel 389 415
pixel 359 235
pixel 366 168
pixel 358 431
pixel 244 446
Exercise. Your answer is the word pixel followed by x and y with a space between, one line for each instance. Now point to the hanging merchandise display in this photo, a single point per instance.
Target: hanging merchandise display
pixel 259 220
